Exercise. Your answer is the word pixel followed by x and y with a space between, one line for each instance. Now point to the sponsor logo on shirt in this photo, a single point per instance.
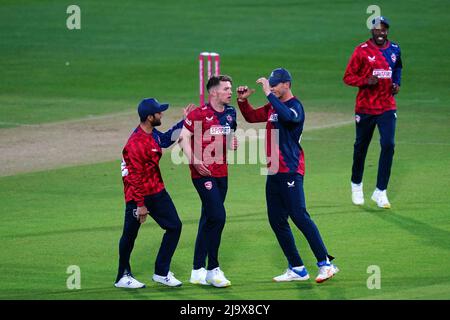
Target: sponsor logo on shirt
pixel 209 118
pixel 273 117
pixel 382 74
pixel 220 130
pixel 371 59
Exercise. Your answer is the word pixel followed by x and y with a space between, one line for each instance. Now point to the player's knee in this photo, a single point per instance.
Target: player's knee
pixel 277 223
pixel 387 145
pixel 178 227
pixel 301 216
pixel 217 220
pixel 174 227
pixel 360 149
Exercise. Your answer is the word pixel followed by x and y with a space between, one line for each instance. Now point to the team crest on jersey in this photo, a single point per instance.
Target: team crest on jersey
pixel 208 185
pixel 393 57
pixel 229 118
pixel 273 117
pixel 357 118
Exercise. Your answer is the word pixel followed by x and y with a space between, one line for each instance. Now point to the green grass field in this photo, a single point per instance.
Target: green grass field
pixel 73 215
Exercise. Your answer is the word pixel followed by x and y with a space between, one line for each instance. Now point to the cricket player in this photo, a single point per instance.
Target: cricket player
pixel 375 67
pixel 207 132
pixel 285 197
pixel 145 194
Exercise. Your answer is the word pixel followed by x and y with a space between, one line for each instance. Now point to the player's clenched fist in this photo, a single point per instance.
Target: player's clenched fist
pixel 142 213
pixel 243 92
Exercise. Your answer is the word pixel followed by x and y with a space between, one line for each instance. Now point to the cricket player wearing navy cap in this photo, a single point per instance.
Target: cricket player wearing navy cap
pixel 285 197
pixel 375 67
pixel 145 194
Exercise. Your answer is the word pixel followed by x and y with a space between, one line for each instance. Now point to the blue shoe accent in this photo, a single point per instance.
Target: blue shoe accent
pixel 301 273
pixel 323 263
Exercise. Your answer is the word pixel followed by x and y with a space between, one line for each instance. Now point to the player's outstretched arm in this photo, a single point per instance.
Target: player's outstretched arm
pixel 293 114
pixel 166 139
pixel 249 113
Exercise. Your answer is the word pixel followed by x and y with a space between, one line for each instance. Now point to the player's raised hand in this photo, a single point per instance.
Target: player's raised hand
pixel 188 109
pixel 243 92
pixel 265 85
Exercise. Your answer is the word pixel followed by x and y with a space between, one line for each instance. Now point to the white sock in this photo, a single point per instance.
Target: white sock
pixel 299 268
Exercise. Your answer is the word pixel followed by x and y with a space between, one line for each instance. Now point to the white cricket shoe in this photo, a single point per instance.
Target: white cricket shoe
pixel 326 271
pixel 380 197
pixel 198 276
pixel 168 280
pixel 217 278
pixel 357 194
pixel 127 281
pixel 294 274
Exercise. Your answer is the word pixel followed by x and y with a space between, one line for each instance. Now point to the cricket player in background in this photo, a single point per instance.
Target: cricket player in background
pixel 285 197
pixel 375 67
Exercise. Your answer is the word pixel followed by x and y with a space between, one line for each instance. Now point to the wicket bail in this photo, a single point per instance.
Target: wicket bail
pixel 201 60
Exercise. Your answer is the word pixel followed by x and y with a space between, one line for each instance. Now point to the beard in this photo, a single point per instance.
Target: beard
pixel 155 122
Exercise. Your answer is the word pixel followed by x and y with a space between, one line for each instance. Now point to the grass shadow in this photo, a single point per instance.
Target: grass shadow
pixel 431 235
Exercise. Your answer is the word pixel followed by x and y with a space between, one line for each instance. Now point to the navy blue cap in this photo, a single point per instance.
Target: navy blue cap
pixel 150 106
pixel 279 75
pixel 378 20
